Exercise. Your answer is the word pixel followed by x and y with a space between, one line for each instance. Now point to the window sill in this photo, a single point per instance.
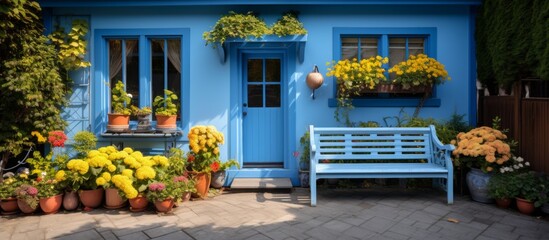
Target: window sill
pixel 389 102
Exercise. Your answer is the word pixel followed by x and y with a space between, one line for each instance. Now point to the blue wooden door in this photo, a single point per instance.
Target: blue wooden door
pixel 263 112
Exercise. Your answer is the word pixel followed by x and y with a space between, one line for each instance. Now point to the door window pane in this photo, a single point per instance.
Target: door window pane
pixel 157 68
pixel 255 70
pixel 273 95
pixel 255 95
pixel 397 50
pixel 272 70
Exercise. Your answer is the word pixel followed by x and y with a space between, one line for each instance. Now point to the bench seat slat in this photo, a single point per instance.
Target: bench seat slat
pixel 372 156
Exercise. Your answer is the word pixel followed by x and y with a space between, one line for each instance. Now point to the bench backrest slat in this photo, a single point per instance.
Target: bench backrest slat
pixel 360 144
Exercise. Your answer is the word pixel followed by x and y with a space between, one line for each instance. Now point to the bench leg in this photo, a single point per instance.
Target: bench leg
pixel 450 189
pixel 312 185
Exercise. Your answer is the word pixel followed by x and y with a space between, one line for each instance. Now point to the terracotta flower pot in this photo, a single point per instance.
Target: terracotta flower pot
pixel 91 198
pixel 113 200
pixel 138 204
pixel 202 185
pixel 186 197
pixel 163 206
pixel 51 205
pixel 166 122
pixel 9 206
pixel 503 202
pixel 70 200
pixel 24 207
pixel 524 206
pixel 118 122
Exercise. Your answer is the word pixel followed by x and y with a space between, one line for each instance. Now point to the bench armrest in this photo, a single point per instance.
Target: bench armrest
pixel 445 150
pixel 312 145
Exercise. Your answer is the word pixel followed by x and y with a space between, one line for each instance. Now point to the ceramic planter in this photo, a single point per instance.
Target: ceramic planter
pixel 477 181
pixel 218 179
pixel 70 200
pixel 503 202
pixel 166 123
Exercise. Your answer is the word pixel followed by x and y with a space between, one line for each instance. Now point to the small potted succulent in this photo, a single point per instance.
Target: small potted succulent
pixel 143 118
pixel 166 111
pixel 119 118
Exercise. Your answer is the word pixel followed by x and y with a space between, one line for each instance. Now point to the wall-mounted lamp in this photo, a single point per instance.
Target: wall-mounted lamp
pixel 314 80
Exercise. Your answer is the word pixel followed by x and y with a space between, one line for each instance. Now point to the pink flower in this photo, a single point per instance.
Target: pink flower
pixel 156 187
pixel 32 191
pixel 180 179
pixel 296 154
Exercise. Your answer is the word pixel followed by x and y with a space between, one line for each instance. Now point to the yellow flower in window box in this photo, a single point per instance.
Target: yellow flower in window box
pixel 419 70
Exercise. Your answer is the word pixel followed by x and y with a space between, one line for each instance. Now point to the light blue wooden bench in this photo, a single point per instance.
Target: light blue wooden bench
pixel 380 153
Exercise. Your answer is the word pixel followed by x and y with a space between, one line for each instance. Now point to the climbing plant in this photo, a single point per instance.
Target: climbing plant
pixel 33 90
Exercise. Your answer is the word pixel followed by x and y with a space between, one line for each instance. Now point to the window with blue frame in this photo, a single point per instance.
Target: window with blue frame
pixel 147 61
pixel 395 43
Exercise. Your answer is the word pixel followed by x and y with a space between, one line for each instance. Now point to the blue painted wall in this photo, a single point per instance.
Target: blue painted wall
pixel 210 84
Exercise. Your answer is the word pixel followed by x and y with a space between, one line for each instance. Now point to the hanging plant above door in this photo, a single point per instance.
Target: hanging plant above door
pixel 247 26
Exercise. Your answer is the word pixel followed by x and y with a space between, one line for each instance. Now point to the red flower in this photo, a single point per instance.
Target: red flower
pixel 215 166
pixel 57 138
pixel 190 158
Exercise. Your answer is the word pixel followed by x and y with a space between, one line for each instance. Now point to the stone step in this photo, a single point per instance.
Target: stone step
pixel 261 183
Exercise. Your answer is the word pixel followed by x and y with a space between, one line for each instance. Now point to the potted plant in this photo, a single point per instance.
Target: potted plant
pixel 27 198
pixel 7 195
pixel 186 185
pixel 119 118
pixel 529 187
pixel 204 144
pixel 498 185
pixel 219 172
pixel 166 111
pixel 484 151
pixel 143 118
pixel 235 25
pixel 50 195
pixel 163 194
pixel 419 73
pixel 352 78
pixel 289 24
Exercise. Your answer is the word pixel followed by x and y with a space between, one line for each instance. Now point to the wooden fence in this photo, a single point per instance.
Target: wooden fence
pixel 526 117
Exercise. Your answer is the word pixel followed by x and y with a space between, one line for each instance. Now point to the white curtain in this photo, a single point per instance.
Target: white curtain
pixel 174 53
pixel 115 55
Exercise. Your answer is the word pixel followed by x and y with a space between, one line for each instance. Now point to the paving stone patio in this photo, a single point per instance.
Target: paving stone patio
pixel 384 213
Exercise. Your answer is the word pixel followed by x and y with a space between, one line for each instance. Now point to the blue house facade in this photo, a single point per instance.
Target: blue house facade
pixel 254 92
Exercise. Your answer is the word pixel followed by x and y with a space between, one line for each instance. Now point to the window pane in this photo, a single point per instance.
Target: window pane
pixel 416 46
pixel 174 68
pixel 273 95
pixel 126 66
pixel 255 95
pixel 397 50
pixel 368 48
pixel 272 71
pixel 157 68
pixel 349 48
pixel 255 70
